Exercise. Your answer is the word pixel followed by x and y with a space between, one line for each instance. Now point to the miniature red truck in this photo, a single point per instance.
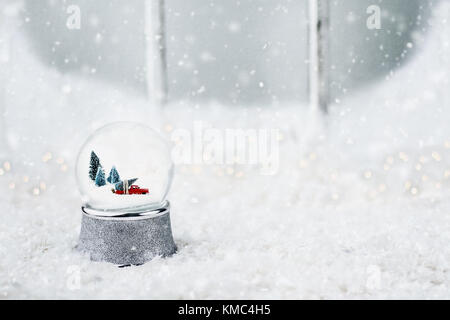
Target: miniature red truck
pixel 134 189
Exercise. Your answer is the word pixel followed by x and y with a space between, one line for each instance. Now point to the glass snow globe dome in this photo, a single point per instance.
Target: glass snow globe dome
pixel 124 167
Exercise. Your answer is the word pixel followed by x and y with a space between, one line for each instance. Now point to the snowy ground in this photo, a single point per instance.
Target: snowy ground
pixel 358 210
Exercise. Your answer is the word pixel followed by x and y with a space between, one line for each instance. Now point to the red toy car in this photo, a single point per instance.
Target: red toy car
pixel 134 189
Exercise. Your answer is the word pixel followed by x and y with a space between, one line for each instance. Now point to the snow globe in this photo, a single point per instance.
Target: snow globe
pixel 124 171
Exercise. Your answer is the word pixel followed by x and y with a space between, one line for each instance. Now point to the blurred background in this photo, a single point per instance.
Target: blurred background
pixel 235 54
pixel 225 51
pixel 367 184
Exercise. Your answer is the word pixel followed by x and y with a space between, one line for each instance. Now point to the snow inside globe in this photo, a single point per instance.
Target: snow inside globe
pixel 124 167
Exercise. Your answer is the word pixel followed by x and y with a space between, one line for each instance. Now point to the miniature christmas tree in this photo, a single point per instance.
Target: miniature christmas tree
pixel 120 185
pixel 93 167
pixel 113 176
pixel 100 177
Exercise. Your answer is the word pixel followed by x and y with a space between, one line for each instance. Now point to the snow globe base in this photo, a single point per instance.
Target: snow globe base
pixel 129 238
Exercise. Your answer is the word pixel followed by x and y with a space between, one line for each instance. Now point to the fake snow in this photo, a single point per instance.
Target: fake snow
pixel 359 207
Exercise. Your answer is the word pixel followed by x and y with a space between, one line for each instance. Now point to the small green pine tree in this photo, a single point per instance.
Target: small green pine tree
pixel 100 177
pixel 119 185
pixel 113 176
pixel 93 167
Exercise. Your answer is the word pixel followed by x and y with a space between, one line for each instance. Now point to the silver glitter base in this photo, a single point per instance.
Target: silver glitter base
pixel 127 239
